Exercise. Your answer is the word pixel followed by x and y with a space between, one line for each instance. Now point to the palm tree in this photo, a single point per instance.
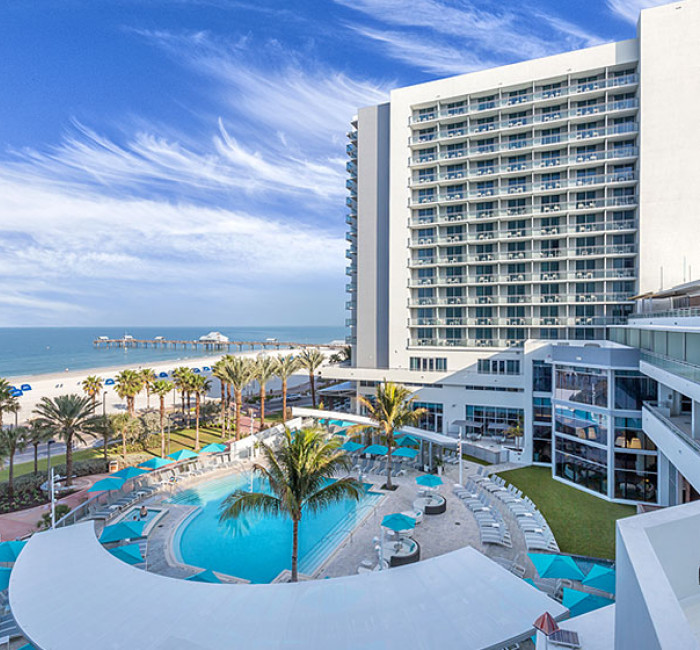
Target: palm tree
pixel 299 474
pixel 200 386
pixel 67 417
pixel 11 441
pixel 105 430
pixel 390 409
pixel 92 386
pixel 239 373
pixel 127 425
pixel 219 371
pixel 162 387
pixel 8 402
pixel 36 435
pixel 312 359
pixel 286 367
pixel 265 369
pixel 180 377
pixel 148 377
pixel 129 385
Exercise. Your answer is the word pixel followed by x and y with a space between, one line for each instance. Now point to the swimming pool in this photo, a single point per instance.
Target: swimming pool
pixel 258 547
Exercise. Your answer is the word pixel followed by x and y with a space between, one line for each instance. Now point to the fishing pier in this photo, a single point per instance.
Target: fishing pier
pixel 207 345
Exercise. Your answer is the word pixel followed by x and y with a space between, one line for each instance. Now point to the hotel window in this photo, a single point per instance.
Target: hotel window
pixel 542 443
pixel 550 136
pixel 541 377
pixel 632 389
pixel 551 158
pixel 581 385
pixel 581 423
pixel 636 477
pixel 542 409
pixel 581 464
pixel 517 141
pixel 455 171
pixel 425 155
pixel 486 145
pixel 629 435
pixel 456 108
pixel 432 419
pixel 428 364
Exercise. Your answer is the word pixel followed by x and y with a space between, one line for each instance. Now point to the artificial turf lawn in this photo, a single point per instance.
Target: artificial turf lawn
pixel 582 524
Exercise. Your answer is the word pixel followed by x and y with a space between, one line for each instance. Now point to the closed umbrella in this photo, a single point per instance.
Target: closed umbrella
pixel 398 522
pixel 429 480
pixel 183 454
pixel 121 531
pixel 601 577
pixel 131 553
pixel 129 472
pixel 580 602
pixel 405 452
pixel 108 484
pixel 205 576
pixel 156 463
pixel 9 551
pixel 376 450
pixel 556 566
pixel 213 448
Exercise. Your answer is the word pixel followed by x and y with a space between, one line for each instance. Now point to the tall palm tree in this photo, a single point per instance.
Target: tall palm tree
pixel 36 435
pixel 200 386
pixel 390 409
pixel 239 373
pixel 219 371
pixel 180 378
pixel 67 417
pixel 286 367
pixel 129 384
pixel 162 387
pixel 8 402
pixel 92 387
pixel 148 376
pixel 105 430
pixel 299 474
pixel 126 425
pixel 312 359
pixel 265 369
pixel 11 441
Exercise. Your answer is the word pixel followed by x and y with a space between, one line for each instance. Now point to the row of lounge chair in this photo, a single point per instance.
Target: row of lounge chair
pixel 492 528
pixel 379 467
pixel 538 535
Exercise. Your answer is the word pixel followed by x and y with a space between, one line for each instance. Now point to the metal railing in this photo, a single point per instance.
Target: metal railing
pixel 674 366
pixel 652 409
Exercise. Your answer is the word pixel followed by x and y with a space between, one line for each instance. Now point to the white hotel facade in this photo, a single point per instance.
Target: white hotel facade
pixel 500 223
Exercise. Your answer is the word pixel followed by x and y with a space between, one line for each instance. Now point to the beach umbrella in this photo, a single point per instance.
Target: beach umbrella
pixel 163 375
pixel 406 440
pixel 156 463
pixel 131 553
pixel 205 576
pixel 108 484
pixel 15 392
pixel 398 522
pixel 4 578
pixel 206 368
pixel 196 370
pixel 376 450
pixel 129 472
pixel 25 387
pixel 109 382
pixel 27 646
pixel 429 480
pixel 213 448
pixel 10 550
pixel 546 624
pixel 405 452
pixel 121 531
pixel 601 577
pixel 351 446
pixel 580 602
pixel 183 454
pixel 556 566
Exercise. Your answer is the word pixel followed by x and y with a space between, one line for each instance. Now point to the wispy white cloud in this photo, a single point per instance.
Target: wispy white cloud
pixel 629 9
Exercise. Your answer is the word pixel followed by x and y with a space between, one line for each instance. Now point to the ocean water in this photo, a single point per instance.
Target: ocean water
pixel 37 350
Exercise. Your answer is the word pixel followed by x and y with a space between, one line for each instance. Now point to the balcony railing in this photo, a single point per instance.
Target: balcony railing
pixel 669 313
pixel 653 410
pixel 674 366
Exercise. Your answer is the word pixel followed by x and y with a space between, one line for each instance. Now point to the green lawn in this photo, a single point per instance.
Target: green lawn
pixel 28 468
pixel 582 524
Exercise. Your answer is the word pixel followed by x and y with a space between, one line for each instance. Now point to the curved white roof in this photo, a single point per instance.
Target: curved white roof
pixel 67 593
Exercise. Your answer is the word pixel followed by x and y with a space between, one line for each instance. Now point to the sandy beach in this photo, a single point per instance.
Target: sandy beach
pixel 63 383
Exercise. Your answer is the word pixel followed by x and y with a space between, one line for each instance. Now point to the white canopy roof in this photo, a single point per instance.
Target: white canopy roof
pixel 68 592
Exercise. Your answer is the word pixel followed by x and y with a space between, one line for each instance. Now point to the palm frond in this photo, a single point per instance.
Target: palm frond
pixel 344 488
pixel 240 503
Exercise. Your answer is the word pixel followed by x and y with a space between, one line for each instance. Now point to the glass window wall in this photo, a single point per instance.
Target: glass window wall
pixel 581 385
pixel 583 424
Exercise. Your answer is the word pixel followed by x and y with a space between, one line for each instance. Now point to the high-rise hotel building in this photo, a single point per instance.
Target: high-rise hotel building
pixel 529 201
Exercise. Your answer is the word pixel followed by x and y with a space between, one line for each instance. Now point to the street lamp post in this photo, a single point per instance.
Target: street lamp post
pixel 48 453
pixel 104 404
pixel 461 460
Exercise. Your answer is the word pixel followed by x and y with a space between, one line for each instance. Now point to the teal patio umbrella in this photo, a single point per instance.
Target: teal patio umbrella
pixel 351 446
pixel 205 576
pixel 601 577
pixel 406 440
pixel 4 578
pixel 429 480
pixel 376 450
pixel 213 448
pixel 398 522
pixel 556 566
pixel 156 463
pixel 27 646
pixel 131 553
pixel 579 602
pixel 9 551
pixel 121 531
pixel 129 473
pixel 108 484
pixel 405 452
pixel 183 454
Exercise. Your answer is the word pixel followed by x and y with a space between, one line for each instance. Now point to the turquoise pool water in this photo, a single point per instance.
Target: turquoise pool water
pixel 258 547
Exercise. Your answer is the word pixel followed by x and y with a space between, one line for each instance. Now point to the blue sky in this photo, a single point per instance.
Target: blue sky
pixel 182 161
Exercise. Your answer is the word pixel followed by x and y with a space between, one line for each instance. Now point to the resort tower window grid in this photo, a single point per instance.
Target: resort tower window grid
pixel 351 220
pixel 525 199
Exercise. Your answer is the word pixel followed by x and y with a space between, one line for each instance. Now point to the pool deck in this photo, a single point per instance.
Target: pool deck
pixel 437 534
